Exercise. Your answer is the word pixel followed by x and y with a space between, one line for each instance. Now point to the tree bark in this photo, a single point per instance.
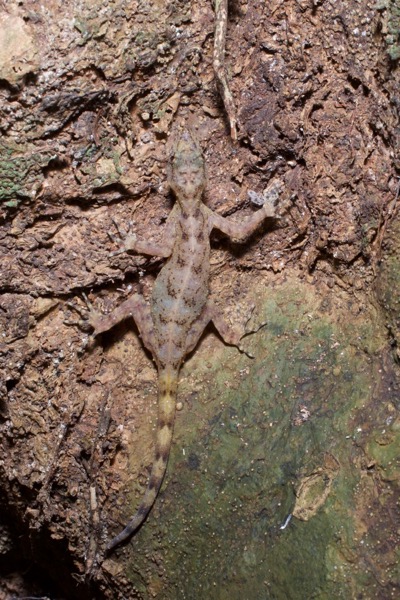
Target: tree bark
pixel 308 429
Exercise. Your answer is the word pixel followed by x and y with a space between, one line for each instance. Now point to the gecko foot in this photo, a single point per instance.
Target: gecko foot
pixel 126 238
pixel 250 332
pixel 90 317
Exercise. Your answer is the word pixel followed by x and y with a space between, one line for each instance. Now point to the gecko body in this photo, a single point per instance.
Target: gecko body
pixel 180 306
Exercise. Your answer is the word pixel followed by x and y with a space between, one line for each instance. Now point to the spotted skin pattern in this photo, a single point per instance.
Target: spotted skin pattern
pixel 180 306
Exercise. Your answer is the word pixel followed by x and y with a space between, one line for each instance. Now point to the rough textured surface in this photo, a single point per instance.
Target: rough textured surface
pixel 89 93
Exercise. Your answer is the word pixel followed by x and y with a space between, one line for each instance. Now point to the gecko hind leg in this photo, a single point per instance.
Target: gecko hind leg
pixel 230 334
pixel 137 308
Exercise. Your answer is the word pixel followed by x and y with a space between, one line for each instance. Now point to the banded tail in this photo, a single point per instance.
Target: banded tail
pixel 167 386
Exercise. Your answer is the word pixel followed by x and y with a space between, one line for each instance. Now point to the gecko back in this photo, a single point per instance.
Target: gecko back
pixel 181 290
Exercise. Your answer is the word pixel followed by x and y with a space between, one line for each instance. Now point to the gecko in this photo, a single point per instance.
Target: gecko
pixel 180 308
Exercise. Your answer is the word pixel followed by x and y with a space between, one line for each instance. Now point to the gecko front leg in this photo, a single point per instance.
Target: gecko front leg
pixel 130 243
pixel 240 230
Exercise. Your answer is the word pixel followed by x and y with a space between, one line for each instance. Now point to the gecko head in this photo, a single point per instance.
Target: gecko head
pixel 187 171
